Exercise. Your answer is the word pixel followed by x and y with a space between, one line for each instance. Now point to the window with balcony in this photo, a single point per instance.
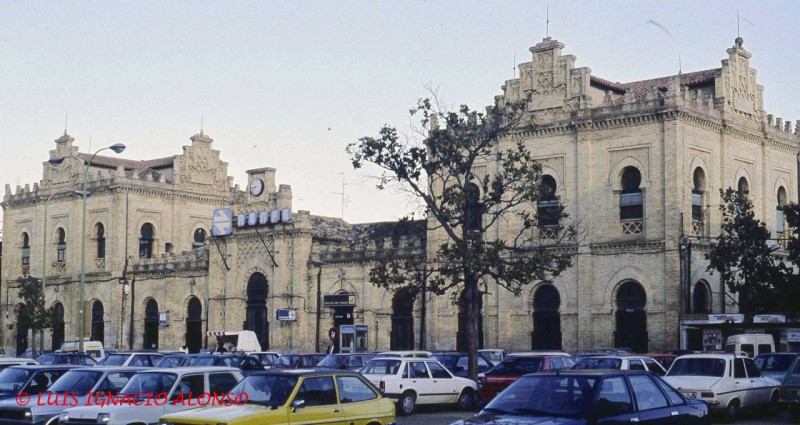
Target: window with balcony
pixel 743 187
pixel 61 246
pixel 26 250
pixel 780 220
pixel 548 211
pixel 631 201
pixel 100 233
pixel 199 237
pixel 473 219
pixel 146 241
pixel 698 192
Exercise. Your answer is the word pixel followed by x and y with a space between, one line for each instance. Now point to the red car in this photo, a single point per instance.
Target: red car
pixel 515 365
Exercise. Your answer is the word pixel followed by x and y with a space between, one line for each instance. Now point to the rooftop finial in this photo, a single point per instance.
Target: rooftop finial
pixel 66 119
pixel 738 35
pixel 201 122
pixel 547 25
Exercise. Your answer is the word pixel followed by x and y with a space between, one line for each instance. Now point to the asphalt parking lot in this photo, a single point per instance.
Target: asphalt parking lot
pixel 446 416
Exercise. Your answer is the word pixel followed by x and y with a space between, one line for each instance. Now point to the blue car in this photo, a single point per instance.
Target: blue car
pixel 247 364
pixel 32 380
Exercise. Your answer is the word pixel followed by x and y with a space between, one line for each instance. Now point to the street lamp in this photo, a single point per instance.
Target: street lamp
pixel 117 148
pixel 44 258
pixel 319 264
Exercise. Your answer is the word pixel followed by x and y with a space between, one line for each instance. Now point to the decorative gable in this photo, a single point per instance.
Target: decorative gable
pixel 736 86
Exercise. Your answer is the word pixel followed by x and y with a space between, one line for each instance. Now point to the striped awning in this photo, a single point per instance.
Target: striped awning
pixel 217 333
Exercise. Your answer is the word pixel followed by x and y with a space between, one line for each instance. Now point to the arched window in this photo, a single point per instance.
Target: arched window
pixel 548 212
pixel 150 341
pixel 199 237
pixel 699 180
pixel 256 318
pixel 97 329
pixel 62 245
pixel 781 203
pixel 194 325
pixel 100 233
pixel 402 334
pixel 58 326
pixel 546 319
pixel 631 327
pixel 631 200
pixel 700 298
pixel 474 210
pixel 146 242
pixel 26 250
pixel 743 187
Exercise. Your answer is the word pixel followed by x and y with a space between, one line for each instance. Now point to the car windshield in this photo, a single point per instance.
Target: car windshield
pixel 114 360
pixel 545 395
pixel 266 359
pixel 519 366
pixel 205 361
pixel 143 383
pixel 170 362
pixel 331 361
pixel 12 378
pixel 598 363
pixel 47 359
pixel 78 382
pixel 697 367
pixel 448 360
pixel 774 362
pixel 381 367
pixel 286 360
pixel 269 390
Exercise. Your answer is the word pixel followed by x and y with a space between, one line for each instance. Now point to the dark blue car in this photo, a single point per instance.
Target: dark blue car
pixel 576 397
pixel 32 380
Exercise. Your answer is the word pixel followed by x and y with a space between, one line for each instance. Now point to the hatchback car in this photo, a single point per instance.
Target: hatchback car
pixel 29 379
pixel 516 365
pixel 246 364
pixel 176 360
pixel 790 390
pixel 131 359
pixel 727 382
pixel 458 363
pixel 345 361
pixel 621 363
pixel 298 361
pixel 578 397
pixel 66 359
pixel 297 397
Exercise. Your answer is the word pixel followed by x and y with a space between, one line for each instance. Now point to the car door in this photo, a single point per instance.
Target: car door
pixel 681 411
pixel 742 383
pixel 421 382
pixel 655 367
pixel 184 394
pixel 651 403
pixel 358 400
pixel 613 404
pixel 445 388
pixel 316 402
pixel 760 390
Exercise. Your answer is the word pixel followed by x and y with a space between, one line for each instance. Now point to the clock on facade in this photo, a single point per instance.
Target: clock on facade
pixel 256 187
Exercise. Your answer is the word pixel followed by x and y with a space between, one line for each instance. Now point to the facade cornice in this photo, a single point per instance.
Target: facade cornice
pixel 628 247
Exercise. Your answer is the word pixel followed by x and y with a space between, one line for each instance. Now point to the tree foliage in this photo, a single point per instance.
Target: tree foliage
pixel 32 312
pixel 743 256
pixel 473 175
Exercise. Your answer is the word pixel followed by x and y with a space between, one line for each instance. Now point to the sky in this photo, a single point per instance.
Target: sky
pixel 289 84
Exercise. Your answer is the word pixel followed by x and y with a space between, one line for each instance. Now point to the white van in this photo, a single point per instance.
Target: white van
pixel 750 345
pixel 239 340
pixel 92 348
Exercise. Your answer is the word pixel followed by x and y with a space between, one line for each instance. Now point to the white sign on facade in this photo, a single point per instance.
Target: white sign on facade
pixel 769 318
pixel 725 318
pixel 222 222
pixel 792 335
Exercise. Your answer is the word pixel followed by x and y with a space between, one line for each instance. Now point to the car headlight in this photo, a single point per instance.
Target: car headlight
pixel 103 418
pixel 707 394
pixel 28 413
pixel 63 418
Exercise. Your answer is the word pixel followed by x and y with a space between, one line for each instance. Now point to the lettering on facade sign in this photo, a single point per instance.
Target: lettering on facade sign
pixel 255 218
pixel 287 314
pixel 792 335
pixel 769 318
pixel 339 300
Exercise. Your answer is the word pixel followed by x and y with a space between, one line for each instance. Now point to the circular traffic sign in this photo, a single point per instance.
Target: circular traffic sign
pixel 333 333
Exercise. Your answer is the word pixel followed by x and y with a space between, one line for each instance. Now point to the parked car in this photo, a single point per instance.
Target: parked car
pixel 458 363
pixel 66 359
pixel 621 363
pixel 663 359
pixel 175 360
pixel 494 355
pixel 727 382
pixel 405 353
pixel 348 361
pixel 775 365
pixel 298 361
pixel 267 358
pixel 518 364
pixel 146 359
pixel 28 354
pixel 15 361
pixel 93 349
pixel 577 397
pixel 790 390
pixel 246 364
pixel 78 382
pixel 411 381
pixel 297 397
pixel 32 380
pixel 188 383
pixel 752 344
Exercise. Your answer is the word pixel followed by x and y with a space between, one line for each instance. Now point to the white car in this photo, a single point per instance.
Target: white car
pixel 727 382
pixel 621 363
pixel 131 359
pixel 410 381
pixel 185 383
pixel 15 361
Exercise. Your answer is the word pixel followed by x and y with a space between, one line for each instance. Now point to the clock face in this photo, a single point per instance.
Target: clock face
pixel 256 187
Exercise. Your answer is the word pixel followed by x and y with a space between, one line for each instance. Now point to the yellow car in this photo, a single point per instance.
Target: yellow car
pixel 293 397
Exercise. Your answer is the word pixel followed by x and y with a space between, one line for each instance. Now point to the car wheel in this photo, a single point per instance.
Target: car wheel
pixel 407 404
pixel 466 400
pixel 772 408
pixel 732 411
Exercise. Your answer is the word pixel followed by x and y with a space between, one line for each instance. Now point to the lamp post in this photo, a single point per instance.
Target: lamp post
pixel 117 148
pixel 44 258
pixel 319 264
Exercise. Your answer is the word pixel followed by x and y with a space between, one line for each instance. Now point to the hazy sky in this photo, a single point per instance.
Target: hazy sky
pixel 289 84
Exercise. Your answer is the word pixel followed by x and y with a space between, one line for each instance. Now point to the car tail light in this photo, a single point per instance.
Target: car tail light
pixel 707 394
pixel 383 385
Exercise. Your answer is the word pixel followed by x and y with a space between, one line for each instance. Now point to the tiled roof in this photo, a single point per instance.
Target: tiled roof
pixel 640 87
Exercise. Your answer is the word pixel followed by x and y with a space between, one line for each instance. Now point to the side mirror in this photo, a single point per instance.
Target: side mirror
pixel 298 404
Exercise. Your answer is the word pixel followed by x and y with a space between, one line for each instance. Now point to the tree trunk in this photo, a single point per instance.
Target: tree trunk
pixel 472 295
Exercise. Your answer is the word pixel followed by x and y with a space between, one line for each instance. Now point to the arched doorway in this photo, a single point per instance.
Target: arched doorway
pixel 97 332
pixel 150 340
pixel 402 337
pixel 194 325
pixel 461 337
pixel 631 327
pixel 256 312
pixel 22 331
pixel 58 326
pixel 546 319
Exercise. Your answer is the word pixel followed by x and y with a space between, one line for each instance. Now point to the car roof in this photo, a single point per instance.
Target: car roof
pixel 538 354
pixel 592 372
pixel 44 367
pixel 16 359
pixel 304 372
pixel 711 356
pixel 191 369
pixel 111 369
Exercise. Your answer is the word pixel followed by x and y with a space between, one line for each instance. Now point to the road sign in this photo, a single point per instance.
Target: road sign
pixel 222 224
pixel 287 314
pixel 163 318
